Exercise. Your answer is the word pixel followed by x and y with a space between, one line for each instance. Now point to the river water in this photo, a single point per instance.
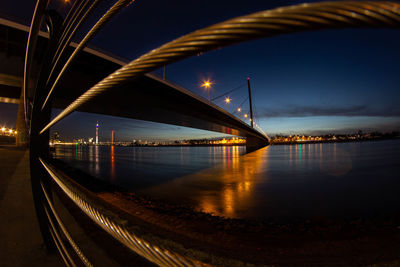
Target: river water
pixel 284 182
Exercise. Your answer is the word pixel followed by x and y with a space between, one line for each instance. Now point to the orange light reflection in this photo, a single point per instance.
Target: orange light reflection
pixel 226 190
pixel 112 174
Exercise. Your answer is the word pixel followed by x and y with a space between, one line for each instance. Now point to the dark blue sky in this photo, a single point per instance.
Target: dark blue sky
pixel 313 82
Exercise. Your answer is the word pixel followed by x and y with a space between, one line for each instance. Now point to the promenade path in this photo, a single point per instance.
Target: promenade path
pixel 21 243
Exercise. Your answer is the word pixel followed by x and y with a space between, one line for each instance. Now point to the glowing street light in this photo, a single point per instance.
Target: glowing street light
pixel 239 109
pixel 3 129
pixel 207 84
pixel 228 101
pixel 245 115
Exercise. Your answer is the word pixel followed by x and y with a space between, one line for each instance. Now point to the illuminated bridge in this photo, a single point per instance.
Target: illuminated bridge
pixel 147 97
pixel 69 76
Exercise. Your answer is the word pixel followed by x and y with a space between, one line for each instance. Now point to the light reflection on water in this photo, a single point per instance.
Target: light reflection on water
pixel 112 173
pixel 223 190
pixel 333 180
pixel 239 180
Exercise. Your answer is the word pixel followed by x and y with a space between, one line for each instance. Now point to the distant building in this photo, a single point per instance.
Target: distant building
pixel 97 133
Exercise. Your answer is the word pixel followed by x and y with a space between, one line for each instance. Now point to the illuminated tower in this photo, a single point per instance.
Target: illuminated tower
pixel 97 133
pixel 112 137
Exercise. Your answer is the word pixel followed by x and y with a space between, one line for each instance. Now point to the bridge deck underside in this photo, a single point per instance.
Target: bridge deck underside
pixel 146 98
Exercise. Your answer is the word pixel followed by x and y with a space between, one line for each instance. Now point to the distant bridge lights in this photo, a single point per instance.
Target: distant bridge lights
pixel 8 132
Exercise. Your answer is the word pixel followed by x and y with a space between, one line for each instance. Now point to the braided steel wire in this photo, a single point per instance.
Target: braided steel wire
pixel 70 24
pixel 57 238
pixel 283 20
pixel 64 229
pixel 115 9
pixel 30 49
pixel 59 248
pixel 117 228
pixel 71 12
pixel 65 41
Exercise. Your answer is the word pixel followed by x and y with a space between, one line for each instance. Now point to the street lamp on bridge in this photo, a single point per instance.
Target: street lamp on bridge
pixel 228 101
pixel 207 84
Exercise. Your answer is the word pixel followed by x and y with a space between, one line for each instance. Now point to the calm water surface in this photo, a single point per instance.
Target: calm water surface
pixel 343 180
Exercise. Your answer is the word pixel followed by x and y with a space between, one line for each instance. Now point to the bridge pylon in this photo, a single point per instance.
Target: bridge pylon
pixel 253 143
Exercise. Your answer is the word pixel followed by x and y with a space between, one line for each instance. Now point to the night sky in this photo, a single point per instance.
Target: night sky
pixel 331 81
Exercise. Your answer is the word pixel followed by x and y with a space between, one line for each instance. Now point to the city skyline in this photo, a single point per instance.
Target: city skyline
pixel 108 134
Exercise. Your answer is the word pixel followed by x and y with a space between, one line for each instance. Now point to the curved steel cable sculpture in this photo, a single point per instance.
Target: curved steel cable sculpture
pixel 115 9
pixel 118 228
pixel 261 24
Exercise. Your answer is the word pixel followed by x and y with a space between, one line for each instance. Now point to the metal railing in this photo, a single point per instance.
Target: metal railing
pixel 316 16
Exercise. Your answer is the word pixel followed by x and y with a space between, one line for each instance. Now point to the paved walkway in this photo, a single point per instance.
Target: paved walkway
pixel 21 243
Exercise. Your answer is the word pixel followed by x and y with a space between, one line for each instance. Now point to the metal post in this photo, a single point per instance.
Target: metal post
pixel 39 143
pixel 251 106
pixel 35 140
pixel 39 146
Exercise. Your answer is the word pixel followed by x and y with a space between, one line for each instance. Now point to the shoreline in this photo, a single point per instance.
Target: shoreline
pixel 320 240
pixel 220 145
pixel 335 141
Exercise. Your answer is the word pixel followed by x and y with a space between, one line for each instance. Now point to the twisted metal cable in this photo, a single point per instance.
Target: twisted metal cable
pixel 59 248
pixel 30 50
pixel 70 23
pixel 57 238
pixel 65 41
pixel 78 251
pixel 296 18
pixel 115 9
pixel 71 12
pixel 117 228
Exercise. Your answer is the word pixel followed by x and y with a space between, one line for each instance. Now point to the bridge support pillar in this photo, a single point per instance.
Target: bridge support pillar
pixel 253 143
pixel 21 139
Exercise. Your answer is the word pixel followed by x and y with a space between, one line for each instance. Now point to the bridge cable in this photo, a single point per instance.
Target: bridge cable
pixel 236 88
pixel 240 106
